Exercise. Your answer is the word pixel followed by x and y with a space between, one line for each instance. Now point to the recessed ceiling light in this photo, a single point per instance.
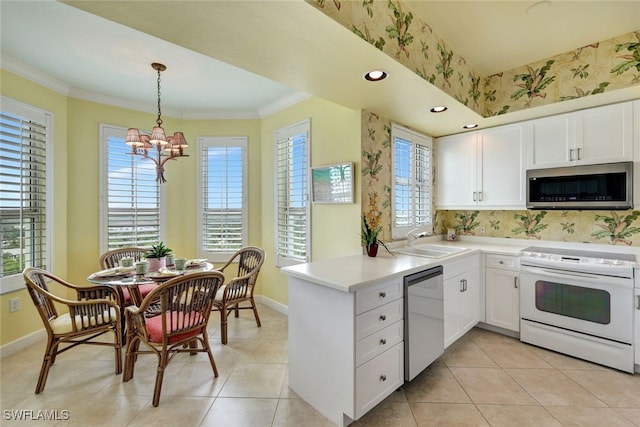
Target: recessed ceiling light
pixel 439 109
pixel 470 126
pixel 375 75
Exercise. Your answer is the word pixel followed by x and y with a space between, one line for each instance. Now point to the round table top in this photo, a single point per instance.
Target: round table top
pixel 131 278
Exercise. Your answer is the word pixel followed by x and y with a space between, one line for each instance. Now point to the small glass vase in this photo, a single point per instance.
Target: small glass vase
pixel 372 250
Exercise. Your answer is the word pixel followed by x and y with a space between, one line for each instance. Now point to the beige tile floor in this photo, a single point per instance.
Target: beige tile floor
pixel 484 379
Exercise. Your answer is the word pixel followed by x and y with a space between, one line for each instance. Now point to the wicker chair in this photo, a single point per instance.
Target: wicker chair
pixel 185 305
pixel 111 259
pixel 239 289
pixel 94 313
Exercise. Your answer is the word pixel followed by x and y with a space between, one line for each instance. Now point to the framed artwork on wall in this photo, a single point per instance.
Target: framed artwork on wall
pixel 332 183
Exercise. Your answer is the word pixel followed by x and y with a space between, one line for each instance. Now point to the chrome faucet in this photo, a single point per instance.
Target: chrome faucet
pixel 418 233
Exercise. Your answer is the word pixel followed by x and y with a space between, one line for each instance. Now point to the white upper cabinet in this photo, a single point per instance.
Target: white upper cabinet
pixel 482 169
pixel 456 170
pixel 503 167
pixel 550 141
pixel 597 135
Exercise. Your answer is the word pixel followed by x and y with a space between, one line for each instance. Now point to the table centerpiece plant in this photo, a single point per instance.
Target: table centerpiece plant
pixel 156 256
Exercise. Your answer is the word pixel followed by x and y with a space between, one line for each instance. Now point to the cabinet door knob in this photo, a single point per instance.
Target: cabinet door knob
pixel 383 317
pixel 383 294
pixel 501 262
pixel 383 341
pixel 383 377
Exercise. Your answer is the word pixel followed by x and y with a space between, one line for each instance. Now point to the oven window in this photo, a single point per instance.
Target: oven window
pixel 593 305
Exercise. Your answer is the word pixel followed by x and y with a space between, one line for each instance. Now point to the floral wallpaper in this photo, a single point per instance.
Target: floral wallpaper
pixel 376 169
pixel 607 65
pixel 601 227
pixel 391 27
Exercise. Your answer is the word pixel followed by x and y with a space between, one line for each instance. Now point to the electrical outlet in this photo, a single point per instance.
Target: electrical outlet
pixel 14 304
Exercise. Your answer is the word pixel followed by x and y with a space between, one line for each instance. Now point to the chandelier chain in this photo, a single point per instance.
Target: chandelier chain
pixel 159 120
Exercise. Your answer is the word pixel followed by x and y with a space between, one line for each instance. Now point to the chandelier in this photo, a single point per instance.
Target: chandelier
pixel 157 146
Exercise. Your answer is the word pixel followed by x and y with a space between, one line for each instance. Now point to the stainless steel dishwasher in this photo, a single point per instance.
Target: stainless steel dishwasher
pixel 423 320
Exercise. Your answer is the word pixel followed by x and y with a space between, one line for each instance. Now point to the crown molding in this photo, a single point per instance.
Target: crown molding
pixel 36 76
pixel 282 103
pixel 65 89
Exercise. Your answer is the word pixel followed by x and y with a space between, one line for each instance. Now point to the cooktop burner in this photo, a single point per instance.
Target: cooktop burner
pixel 607 263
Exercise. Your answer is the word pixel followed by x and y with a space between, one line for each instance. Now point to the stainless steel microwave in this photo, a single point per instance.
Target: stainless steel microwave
pixel 605 186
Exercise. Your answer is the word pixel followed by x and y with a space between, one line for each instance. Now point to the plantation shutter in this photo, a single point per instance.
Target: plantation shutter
pixel 132 195
pixel 23 198
pixel 412 184
pixel 292 200
pixel 224 223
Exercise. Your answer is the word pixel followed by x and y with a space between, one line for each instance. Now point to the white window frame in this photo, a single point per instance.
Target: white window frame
pixel 107 131
pixel 284 259
pixel 222 141
pixel 15 282
pixel 400 231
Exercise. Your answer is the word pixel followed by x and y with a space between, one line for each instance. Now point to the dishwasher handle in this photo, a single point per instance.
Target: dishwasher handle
pixel 421 276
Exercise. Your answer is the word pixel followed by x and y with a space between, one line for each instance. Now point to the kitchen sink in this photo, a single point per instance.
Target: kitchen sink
pixel 430 251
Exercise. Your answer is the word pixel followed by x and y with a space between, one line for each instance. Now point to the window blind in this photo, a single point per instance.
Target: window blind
pixel 224 183
pixel 412 186
pixel 292 207
pixel 23 198
pixel 132 209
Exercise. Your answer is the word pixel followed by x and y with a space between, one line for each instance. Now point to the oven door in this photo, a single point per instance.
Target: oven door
pixel 601 306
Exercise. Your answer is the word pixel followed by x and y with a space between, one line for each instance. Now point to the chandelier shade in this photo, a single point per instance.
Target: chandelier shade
pixel 157 146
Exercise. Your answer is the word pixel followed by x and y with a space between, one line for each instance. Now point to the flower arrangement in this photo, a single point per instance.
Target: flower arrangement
pixel 157 251
pixel 371 227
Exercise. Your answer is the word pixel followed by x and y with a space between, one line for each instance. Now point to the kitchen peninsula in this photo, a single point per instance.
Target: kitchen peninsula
pixel 346 345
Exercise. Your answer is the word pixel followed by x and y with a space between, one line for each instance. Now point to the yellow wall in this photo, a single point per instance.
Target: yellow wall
pixel 26 320
pixel 335 231
pixel 335 137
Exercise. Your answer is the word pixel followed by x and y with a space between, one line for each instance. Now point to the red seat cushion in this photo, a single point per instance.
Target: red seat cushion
pixel 178 320
pixel 144 291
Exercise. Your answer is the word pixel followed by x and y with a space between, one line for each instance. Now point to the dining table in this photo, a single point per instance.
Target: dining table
pixel 126 277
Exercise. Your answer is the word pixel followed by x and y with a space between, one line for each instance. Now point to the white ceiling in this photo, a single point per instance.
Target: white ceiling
pixel 289 49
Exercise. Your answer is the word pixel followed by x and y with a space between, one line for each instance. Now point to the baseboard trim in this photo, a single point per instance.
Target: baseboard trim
pixel 22 342
pixel 277 306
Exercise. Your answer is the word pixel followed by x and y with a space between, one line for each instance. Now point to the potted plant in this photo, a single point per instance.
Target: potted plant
pixel 156 256
pixel 372 227
pixel 369 236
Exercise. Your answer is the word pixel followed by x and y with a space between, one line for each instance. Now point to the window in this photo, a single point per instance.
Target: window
pixel 25 199
pixel 131 212
pixel 412 184
pixel 223 220
pixel 292 198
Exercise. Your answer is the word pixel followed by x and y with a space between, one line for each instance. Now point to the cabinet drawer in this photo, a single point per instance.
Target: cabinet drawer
pixel 377 295
pixel 378 378
pixel 378 318
pixel 502 261
pixel 376 343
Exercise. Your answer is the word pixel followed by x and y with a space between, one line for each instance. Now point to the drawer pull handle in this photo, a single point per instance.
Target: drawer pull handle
pixel 383 341
pixel 383 294
pixel 501 262
pixel 383 317
pixel 383 377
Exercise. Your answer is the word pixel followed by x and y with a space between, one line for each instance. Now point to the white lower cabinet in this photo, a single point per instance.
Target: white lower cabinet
pixel 461 297
pixel 346 350
pixel 502 294
pixel 637 326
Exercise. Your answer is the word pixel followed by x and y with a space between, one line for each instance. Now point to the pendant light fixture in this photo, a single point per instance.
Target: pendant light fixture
pixel 157 146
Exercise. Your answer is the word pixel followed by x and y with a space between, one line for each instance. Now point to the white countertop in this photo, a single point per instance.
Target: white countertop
pixel 348 273
pixel 351 272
